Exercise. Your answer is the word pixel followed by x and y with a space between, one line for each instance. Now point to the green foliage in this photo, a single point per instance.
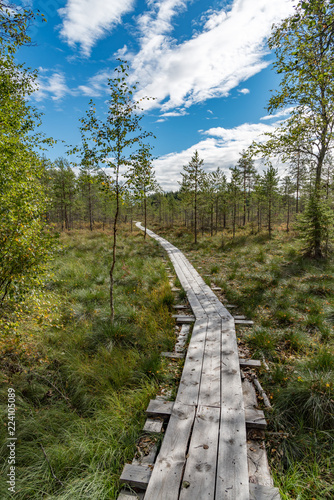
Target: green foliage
pixel 315 225
pixel 304 49
pixel 82 383
pixel 308 398
pixel 111 142
pixel 24 242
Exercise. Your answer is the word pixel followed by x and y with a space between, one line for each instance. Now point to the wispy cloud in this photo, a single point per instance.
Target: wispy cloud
pixel 244 91
pixel 52 87
pixel 97 84
pixel 279 114
pixel 221 149
pixel 230 49
pixel 84 21
pixel 179 112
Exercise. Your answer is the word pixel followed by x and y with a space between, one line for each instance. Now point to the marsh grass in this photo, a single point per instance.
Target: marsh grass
pixel 290 298
pixel 82 383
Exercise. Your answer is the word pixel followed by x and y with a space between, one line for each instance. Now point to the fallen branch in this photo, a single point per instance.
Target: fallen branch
pixel 265 364
pixel 53 474
pixel 261 391
pixel 54 387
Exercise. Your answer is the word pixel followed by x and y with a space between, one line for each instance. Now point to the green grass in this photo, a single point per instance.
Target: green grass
pixel 291 301
pixel 83 384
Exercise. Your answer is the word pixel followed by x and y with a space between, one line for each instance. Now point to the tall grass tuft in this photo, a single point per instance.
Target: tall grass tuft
pixel 82 383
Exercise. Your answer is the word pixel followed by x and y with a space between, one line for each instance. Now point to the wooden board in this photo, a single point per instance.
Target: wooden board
pixel 158 408
pixel 250 363
pixel 259 492
pixel 153 425
pixel 182 339
pixel 136 476
pixel 232 469
pixel 244 322
pixel 200 471
pixel 167 474
pixel 258 467
pixel 255 419
pixel 189 385
pixel 173 355
pixel 148 459
pixel 129 495
pixel 209 392
pixel 183 319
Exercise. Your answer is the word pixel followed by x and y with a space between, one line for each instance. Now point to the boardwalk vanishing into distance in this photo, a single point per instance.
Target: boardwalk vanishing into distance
pixel 203 455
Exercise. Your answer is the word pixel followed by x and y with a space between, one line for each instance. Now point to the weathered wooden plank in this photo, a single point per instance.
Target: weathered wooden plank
pixel 153 426
pixel 167 474
pixel 148 459
pixel 259 492
pixel 232 470
pixel 136 476
pixel 250 363
pixel 209 392
pixel 180 306
pixel 258 467
pixel 129 495
pixel 189 385
pixel 244 322
pixel 239 316
pixel 196 305
pixel 200 471
pixel 182 338
pixel 173 355
pixel 158 408
pixel 255 419
pixel 183 319
pixel 184 332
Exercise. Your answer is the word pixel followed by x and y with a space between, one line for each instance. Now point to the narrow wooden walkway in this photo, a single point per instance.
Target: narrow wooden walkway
pixel 203 455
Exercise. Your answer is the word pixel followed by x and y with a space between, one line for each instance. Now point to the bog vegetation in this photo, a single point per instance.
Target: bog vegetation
pixel 84 299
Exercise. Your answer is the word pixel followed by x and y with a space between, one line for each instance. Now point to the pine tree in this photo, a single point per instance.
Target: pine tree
pixel 192 177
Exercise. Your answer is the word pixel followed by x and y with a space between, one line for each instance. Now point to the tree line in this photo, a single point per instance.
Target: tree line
pixel 113 178
pixel 206 202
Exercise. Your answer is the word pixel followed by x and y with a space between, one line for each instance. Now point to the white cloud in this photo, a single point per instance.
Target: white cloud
pixel 279 114
pixel 84 21
pixel 53 86
pixel 230 49
pixel 97 84
pixel 222 149
pixel 244 91
pixel 179 112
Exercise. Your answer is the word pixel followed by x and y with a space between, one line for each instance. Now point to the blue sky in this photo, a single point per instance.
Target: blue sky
pixel 206 63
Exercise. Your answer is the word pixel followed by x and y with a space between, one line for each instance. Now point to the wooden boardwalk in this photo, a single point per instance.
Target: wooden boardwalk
pixel 203 455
